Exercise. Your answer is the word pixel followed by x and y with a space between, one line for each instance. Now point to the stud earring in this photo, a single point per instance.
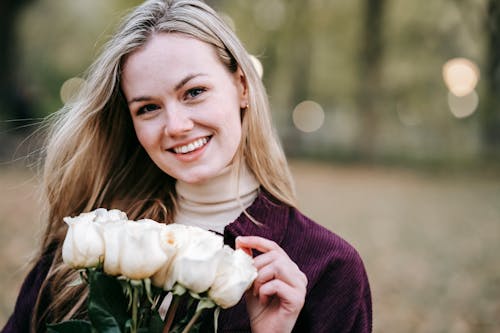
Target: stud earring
pixel 244 110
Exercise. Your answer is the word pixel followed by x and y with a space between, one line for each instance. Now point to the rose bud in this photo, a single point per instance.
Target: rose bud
pixel 104 215
pixel 235 275
pixel 173 236
pixel 195 262
pixel 134 249
pixel 83 245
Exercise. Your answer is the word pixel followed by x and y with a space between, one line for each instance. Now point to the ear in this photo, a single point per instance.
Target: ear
pixel 241 82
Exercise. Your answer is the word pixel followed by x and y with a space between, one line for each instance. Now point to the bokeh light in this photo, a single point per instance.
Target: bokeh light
pixel 70 88
pixel 257 64
pixel 308 116
pixel 461 76
pixel 463 106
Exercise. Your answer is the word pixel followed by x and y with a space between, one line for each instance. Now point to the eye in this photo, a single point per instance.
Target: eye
pixel 194 92
pixel 147 108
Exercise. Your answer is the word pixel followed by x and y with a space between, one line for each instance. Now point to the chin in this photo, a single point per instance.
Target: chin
pixel 199 174
pixel 196 178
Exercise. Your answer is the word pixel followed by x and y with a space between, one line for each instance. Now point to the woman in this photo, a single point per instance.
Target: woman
pixel 173 125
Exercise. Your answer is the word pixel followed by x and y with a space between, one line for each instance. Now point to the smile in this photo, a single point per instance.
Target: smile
pixel 192 146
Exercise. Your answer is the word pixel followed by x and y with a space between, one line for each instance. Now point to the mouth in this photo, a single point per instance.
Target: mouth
pixel 192 146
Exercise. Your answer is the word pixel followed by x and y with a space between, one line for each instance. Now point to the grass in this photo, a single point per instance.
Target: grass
pixel 430 242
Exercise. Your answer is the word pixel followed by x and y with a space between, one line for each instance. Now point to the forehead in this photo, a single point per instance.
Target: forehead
pixel 173 50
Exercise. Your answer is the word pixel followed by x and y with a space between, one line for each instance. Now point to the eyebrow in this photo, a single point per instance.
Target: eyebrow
pixel 177 87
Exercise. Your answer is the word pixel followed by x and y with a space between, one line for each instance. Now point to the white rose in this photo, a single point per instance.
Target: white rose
pixel 195 262
pixel 103 215
pixel 174 235
pixel 235 275
pixel 83 245
pixel 134 249
pixel 111 233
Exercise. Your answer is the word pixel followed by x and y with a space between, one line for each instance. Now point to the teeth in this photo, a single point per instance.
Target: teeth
pixel 191 146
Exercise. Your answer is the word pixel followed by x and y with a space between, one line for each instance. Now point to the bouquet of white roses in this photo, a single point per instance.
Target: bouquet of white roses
pixel 130 266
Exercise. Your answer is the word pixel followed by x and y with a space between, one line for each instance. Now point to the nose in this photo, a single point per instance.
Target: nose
pixel 178 123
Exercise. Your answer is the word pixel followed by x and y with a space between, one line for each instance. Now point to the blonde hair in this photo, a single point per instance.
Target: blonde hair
pixel 93 158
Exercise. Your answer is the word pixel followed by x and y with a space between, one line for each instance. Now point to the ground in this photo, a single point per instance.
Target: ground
pixel 430 242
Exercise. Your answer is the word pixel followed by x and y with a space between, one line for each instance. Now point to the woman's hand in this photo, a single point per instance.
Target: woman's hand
pixel 278 293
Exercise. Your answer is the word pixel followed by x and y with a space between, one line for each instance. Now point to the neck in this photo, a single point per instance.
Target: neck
pixel 218 201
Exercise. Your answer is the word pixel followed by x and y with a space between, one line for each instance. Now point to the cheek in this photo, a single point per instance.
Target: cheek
pixel 145 134
pixel 233 134
pixel 235 125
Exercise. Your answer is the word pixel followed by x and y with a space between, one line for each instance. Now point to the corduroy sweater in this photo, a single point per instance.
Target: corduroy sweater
pixel 338 295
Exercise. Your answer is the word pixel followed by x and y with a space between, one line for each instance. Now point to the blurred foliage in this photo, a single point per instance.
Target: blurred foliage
pixel 59 40
pixel 314 50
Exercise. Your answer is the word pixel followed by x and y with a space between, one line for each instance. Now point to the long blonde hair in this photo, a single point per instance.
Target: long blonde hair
pixel 93 158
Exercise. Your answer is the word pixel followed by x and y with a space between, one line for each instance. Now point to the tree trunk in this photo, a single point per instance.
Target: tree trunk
pixel 301 48
pixel 490 115
pixel 14 104
pixel 370 62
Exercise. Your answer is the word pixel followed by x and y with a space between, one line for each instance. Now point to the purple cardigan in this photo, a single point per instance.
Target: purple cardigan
pixel 338 294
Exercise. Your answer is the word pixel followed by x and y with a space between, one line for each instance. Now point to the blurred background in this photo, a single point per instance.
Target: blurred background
pixel 389 112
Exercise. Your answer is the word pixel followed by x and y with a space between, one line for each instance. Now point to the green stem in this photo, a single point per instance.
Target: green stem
pixel 135 301
pixel 192 321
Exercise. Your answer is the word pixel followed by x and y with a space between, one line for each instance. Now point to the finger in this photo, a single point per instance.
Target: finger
pixel 282 265
pixel 264 275
pixel 281 269
pixel 290 298
pixel 247 250
pixel 273 254
pixel 255 242
pixel 265 259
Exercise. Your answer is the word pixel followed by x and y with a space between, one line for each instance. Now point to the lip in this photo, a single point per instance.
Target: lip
pixel 193 155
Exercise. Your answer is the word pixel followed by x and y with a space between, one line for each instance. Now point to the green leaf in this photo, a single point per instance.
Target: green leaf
pixel 205 303
pixel 156 324
pixel 194 295
pixel 178 290
pixel 107 305
pixel 136 283
pixel 70 326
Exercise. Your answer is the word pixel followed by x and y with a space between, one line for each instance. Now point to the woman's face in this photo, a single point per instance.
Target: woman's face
pixel 185 105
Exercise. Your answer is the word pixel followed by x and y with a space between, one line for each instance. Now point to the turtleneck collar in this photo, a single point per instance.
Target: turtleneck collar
pixel 218 201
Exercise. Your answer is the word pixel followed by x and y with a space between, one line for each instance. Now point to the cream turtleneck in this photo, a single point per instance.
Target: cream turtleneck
pixel 216 202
